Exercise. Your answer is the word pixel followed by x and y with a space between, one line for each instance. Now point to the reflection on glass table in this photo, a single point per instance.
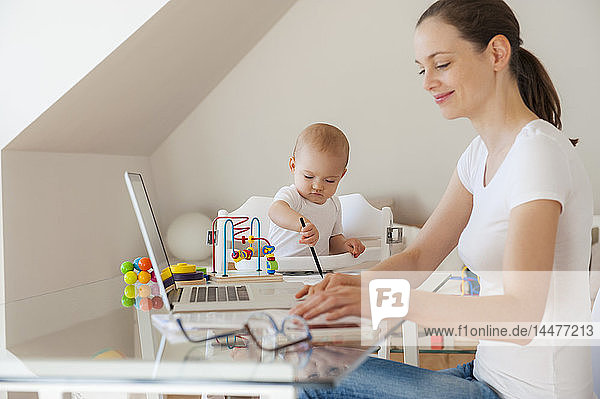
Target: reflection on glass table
pixel 81 339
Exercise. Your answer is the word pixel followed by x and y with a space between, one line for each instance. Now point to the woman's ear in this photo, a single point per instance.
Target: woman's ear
pixel 292 164
pixel 501 51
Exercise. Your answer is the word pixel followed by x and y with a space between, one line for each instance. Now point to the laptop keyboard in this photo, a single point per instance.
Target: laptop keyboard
pixel 228 293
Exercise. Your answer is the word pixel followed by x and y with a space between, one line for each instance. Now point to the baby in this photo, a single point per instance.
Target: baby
pixel 318 163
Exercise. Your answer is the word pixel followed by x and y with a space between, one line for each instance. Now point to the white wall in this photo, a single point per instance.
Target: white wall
pixel 68 222
pixel 48 46
pixel 351 63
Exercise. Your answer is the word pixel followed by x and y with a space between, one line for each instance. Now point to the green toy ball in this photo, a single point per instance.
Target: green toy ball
pixel 127 302
pixel 126 267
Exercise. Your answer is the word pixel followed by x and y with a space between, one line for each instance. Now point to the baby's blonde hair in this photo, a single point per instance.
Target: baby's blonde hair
pixel 325 138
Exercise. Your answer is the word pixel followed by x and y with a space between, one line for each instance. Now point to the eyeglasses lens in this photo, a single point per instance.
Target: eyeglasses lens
pixel 264 330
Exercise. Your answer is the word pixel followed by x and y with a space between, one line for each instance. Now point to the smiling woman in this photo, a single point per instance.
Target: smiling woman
pixel 518 206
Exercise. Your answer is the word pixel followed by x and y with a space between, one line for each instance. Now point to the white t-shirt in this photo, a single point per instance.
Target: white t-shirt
pixel 326 217
pixel 541 164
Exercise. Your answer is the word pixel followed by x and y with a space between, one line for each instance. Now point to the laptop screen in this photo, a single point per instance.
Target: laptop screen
pixel 148 227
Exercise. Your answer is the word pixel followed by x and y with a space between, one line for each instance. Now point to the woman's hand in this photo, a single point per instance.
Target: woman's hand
pixel 331 280
pixel 337 302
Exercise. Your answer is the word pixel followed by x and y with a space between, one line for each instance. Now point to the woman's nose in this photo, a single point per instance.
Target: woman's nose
pixel 429 81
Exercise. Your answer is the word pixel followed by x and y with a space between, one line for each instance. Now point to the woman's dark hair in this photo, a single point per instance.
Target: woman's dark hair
pixel 478 21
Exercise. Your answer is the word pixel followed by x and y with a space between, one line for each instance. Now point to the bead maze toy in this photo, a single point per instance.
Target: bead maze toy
pixel 237 230
pixel 141 290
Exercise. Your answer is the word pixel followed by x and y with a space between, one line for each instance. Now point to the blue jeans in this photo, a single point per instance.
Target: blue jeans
pixel 379 378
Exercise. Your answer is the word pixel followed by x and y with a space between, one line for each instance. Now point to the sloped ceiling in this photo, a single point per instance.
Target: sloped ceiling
pixel 140 93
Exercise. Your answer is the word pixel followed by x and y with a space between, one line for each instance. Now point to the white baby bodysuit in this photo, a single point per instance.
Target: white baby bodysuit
pixel 326 217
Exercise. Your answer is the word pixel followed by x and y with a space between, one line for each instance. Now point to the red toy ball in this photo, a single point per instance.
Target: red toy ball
pixel 145 304
pixel 157 302
pixel 145 264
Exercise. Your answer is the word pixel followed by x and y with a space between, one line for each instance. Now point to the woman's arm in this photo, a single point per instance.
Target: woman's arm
pixel 435 241
pixel 526 267
pixel 440 233
pixel 527 262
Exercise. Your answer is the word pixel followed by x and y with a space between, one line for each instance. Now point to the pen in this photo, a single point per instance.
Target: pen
pixel 314 254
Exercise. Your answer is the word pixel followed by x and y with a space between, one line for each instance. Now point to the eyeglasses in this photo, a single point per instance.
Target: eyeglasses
pixel 466 279
pixel 263 330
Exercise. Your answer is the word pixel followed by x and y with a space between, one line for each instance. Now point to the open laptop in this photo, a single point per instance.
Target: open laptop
pixel 210 297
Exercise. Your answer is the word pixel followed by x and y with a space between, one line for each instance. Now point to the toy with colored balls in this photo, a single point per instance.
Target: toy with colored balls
pixel 142 290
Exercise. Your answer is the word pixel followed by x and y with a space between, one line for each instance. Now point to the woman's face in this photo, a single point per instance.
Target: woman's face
pixel 459 78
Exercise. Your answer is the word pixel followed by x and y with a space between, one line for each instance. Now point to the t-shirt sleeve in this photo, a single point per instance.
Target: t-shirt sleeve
pixel 466 165
pixel 540 170
pixel 290 195
pixel 337 226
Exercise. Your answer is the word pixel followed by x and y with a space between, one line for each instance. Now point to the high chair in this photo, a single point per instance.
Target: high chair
pixel 359 220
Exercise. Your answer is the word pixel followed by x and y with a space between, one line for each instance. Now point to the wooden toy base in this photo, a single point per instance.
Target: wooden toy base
pixel 190 282
pixel 247 277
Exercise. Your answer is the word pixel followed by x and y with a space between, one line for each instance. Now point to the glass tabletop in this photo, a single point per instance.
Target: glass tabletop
pixel 84 334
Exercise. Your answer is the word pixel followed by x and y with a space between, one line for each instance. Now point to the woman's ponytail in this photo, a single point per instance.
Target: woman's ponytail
pixel 536 88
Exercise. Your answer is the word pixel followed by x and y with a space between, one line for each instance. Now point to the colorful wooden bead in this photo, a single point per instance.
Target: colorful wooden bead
pixel 130 277
pixel 144 291
pixel 129 291
pixel 127 302
pixel 143 277
pixel 145 304
pixel 126 267
pixel 144 264
pixel 157 302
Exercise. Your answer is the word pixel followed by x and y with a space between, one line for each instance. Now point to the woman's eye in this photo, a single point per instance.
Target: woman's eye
pixel 421 72
pixel 442 66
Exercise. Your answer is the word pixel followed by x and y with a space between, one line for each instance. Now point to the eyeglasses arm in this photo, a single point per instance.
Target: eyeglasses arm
pixel 227 334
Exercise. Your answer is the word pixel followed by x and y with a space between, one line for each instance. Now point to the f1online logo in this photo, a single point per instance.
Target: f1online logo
pixel 389 298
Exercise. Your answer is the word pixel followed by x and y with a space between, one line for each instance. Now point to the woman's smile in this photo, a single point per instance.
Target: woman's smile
pixel 440 98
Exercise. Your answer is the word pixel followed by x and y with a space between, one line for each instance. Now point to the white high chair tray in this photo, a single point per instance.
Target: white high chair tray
pixel 307 263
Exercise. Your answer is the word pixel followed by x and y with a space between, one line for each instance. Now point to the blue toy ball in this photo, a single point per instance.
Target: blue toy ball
pixel 135 263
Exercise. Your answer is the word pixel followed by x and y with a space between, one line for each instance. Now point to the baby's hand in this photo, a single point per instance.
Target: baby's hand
pixel 354 246
pixel 309 234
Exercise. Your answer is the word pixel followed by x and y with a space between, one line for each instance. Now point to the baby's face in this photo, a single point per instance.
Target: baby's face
pixel 317 174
